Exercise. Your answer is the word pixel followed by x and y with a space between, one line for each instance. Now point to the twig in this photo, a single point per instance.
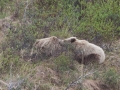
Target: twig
pixel 28 3
pixel 24 16
pixel 3 82
pixel 1 88
pixel 82 68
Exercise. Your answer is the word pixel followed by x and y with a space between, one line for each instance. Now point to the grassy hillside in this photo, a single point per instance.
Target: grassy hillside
pixel 23 21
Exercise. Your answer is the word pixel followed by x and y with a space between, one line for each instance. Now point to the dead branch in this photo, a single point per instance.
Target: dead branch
pixel 3 83
pixel 25 10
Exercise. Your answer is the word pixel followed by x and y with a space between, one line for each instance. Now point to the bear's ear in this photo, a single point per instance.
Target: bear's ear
pixel 54 38
pixel 73 40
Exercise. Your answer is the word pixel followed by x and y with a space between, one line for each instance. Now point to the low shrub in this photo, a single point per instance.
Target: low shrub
pixel 63 63
pixel 112 78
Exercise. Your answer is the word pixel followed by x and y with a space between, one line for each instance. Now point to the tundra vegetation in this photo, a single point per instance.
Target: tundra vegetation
pixel 24 21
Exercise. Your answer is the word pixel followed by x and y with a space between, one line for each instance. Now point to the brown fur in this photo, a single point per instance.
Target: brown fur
pixel 47 47
pixel 86 59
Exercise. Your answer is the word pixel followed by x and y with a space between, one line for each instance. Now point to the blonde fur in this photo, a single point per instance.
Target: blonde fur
pixel 87 49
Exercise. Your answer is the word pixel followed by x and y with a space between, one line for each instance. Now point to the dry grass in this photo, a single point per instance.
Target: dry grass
pixel 94 85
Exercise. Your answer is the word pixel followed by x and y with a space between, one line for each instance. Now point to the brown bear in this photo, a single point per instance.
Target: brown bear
pixel 47 47
pixel 85 52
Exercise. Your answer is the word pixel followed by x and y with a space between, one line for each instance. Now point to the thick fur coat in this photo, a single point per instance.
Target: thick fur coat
pixel 47 47
pixel 85 52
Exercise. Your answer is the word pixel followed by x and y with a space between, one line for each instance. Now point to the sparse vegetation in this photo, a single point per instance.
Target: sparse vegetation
pixel 63 63
pixel 97 21
pixel 112 78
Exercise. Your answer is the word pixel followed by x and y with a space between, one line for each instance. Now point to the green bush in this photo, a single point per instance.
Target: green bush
pixel 62 63
pixel 112 78
pixel 100 20
pixel 9 59
pixel 3 4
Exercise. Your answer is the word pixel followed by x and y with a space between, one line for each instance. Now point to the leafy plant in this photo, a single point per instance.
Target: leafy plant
pixel 98 21
pixel 62 63
pixel 112 78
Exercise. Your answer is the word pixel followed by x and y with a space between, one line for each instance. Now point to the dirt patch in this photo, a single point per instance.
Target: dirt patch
pixel 47 74
pixel 94 85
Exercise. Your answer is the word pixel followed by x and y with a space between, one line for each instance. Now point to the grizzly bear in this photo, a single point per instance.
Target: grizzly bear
pixel 85 52
pixel 46 47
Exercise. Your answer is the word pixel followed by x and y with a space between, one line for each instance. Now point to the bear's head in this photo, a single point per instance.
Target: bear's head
pixel 70 40
pixel 56 40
